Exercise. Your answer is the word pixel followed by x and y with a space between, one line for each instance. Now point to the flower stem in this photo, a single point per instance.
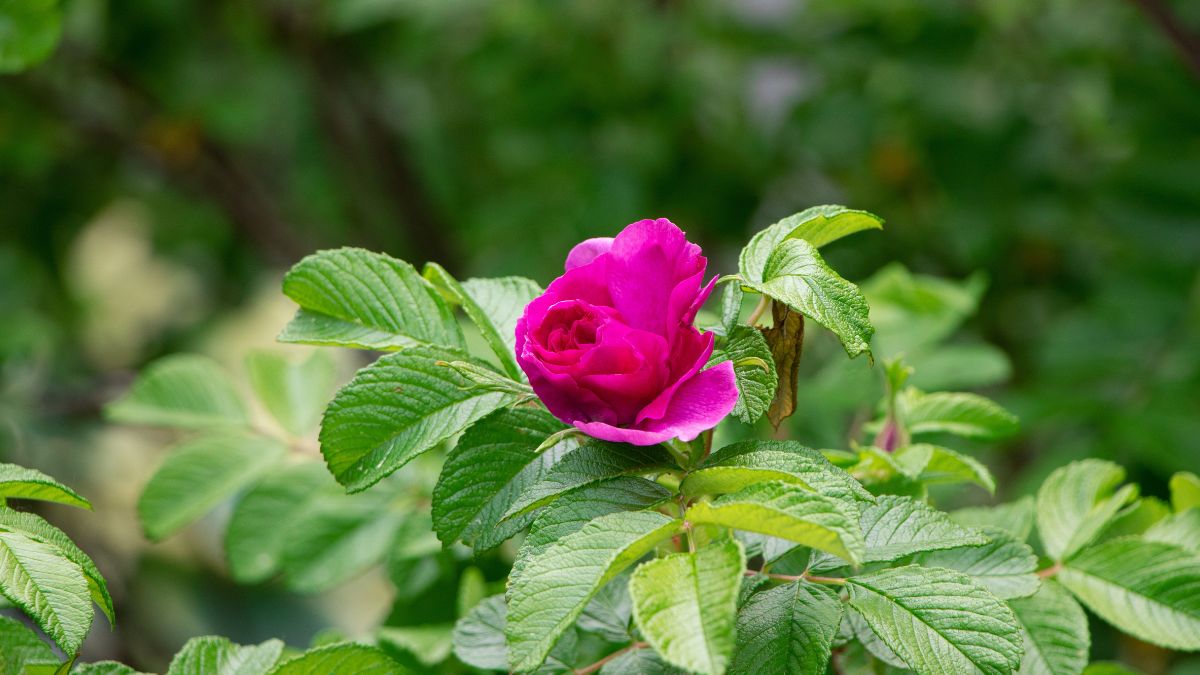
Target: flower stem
pixel 763 303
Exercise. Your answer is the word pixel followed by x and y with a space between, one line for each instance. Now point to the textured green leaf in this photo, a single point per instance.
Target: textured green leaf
pixel 1015 517
pixel 610 612
pixel 860 630
pixel 494 305
pixel 198 475
pixel 1003 565
pixel 576 508
pixel 788 512
pixel 20 647
pixel 796 275
pixel 479 636
pixel 1147 589
pixel 429 644
pixel 897 526
pixel 1109 668
pixel 818 225
pixel 641 661
pixel 338 539
pixel 185 390
pixel 1055 632
pixel 346 657
pixel 559 582
pixel 938 621
pixel 395 409
pixel 1181 529
pixel 754 369
pixel 218 656
pixel 18 482
pixel 495 461
pixel 264 519
pixel 685 605
pixel 37 529
pixel 354 298
pixel 1076 502
pixel 103 668
pixel 731 306
pixel 51 589
pixel 593 461
pixel 294 391
pixel 736 466
pixel 1185 491
pixel 787 629
pixel 933 464
pixel 29 31
pixel 958 413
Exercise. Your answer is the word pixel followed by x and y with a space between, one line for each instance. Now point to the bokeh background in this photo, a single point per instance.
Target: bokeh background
pixel 171 158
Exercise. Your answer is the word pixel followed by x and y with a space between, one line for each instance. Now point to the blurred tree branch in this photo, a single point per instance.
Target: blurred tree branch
pixel 1167 21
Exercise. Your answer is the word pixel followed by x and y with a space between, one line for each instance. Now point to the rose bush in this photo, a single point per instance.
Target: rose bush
pixel 611 348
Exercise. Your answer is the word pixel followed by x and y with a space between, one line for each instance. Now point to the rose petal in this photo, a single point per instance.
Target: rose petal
pixel 649 263
pixel 586 251
pixel 699 404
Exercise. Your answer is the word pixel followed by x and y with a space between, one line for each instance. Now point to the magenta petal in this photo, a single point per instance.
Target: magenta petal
pixel 699 404
pixel 586 251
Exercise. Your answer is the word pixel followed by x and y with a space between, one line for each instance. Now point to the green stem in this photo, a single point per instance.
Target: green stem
pixel 838 581
pixel 763 303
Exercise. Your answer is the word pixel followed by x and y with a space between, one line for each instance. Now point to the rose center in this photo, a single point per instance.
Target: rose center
pixel 571 325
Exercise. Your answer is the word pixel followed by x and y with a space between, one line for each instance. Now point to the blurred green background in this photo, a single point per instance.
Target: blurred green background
pixel 171 158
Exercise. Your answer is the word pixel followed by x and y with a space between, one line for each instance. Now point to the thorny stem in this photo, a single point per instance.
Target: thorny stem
pixel 838 581
pixel 620 652
pixel 763 303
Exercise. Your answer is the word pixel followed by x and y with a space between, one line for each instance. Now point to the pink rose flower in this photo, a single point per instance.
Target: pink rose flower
pixel 611 348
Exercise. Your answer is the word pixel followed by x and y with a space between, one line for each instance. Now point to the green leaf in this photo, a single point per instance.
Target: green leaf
pixel 218 656
pixel 576 508
pixel 958 413
pixel 1147 589
pixel 1055 632
pixel 20 647
pixel 37 529
pixel 860 630
pixel 346 657
pixel 200 474
pixel 293 391
pixel 817 225
pixel 1185 491
pixel 915 312
pixel 1003 565
pixel 395 409
pixel 685 605
pixel 185 390
pixel 897 526
pixel 264 519
pixel 593 461
pixel 354 298
pixel 29 32
pixel 18 482
pixel 494 305
pixel 103 668
pixel 51 589
pixel 788 512
pixel 1015 517
pixel 731 306
pixel 479 636
pixel 495 461
pixel 933 464
pixel 939 622
pixel 787 629
pixel 337 539
pixel 429 644
pixel 559 582
pixel 796 275
pixel 1181 529
pixel 1076 502
pixel 754 368
pixel 642 661
pixel 610 612
pixel 1109 668
pixel 742 464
